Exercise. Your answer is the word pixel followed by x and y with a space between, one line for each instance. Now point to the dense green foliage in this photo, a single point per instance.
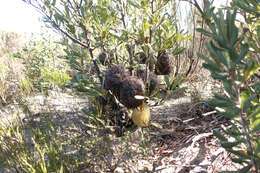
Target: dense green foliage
pixel 120 29
pixel 42 67
pixel 232 62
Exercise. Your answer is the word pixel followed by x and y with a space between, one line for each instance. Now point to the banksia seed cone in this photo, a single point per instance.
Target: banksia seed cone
pixel 164 64
pixel 113 78
pixel 152 83
pixel 142 58
pixel 131 86
pixel 103 58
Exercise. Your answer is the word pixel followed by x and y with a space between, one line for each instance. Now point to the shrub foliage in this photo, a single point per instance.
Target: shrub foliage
pixel 234 60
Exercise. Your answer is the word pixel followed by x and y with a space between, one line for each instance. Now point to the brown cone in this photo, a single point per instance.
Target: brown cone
pixel 152 82
pixel 113 78
pixel 164 65
pixel 131 86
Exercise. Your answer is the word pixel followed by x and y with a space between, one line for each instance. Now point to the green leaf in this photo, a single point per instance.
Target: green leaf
pixel 176 82
pixel 218 76
pixel 212 26
pixel 230 144
pixel 210 67
pixel 228 87
pixel 178 50
pixel 257 147
pixel 203 31
pixel 134 4
pixel 251 68
pixel 67 11
pixel 258 33
pixel 245 48
pixel 255 113
pixel 256 125
pixel 234 132
pixel 231 112
pixel 167 81
pixel 244 100
pixel 212 50
pixel 209 61
pixel 220 103
pixel 238 153
pixel 246 169
pixel 219 136
pixel 221 56
pixel 234 36
pixel 178 90
pixel 221 97
pixel 239 160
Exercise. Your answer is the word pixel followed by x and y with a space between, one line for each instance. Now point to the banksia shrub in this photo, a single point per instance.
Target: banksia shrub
pixel 164 64
pixel 131 86
pixel 231 60
pixel 113 78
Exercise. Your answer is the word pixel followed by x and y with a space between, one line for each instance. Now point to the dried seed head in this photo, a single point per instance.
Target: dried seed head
pixel 102 58
pixel 152 83
pixel 131 86
pixel 164 65
pixel 113 78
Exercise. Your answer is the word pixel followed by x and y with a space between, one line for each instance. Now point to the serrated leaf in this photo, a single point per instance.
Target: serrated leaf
pixel 212 68
pixel 220 103
pixel 240 154
pixel 231 112
pixel 234 132
pixel 230 144
pixel 219 76
pixel 219 136
pixel 221 97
